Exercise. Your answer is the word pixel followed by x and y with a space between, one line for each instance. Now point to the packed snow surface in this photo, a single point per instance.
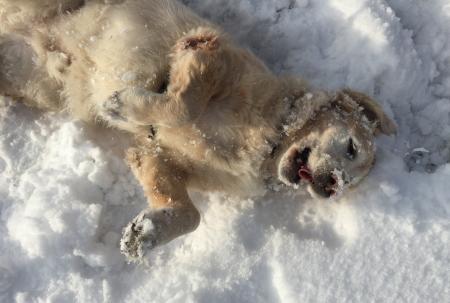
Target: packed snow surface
pixel 65 193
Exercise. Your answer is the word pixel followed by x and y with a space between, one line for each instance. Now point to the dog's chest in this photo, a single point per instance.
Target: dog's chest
pixel 239 150
pixel 219 159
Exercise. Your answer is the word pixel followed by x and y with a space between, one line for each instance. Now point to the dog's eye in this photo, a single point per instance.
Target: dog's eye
pixel 352 150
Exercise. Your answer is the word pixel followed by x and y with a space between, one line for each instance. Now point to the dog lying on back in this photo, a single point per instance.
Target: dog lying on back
pixel 206 114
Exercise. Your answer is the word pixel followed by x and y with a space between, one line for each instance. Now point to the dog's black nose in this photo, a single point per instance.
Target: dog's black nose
pixel 325 184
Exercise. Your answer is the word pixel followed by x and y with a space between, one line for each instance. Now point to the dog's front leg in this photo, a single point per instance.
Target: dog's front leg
pixel 137 107
pixel 198 69
pixel 171 212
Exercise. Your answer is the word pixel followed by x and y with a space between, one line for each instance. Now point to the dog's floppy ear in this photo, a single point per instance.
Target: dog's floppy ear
pixel 373 111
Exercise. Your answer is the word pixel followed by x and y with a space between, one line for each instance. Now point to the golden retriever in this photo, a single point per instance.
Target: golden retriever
pixel 206 113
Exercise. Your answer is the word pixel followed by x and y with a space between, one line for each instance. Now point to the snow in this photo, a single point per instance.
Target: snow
pixel 65 193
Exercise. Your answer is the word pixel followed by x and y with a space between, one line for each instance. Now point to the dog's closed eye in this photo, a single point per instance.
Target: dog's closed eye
pixel 352 150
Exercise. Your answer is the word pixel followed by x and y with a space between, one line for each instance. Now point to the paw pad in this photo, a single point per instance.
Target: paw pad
pixel 144 233
pixel 136 238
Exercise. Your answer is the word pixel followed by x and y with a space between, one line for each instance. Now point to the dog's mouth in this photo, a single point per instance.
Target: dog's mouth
pixel 301 166
pixel 295 170
pixel 295 167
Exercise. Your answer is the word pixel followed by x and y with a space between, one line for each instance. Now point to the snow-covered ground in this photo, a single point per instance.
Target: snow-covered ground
pixel 65 193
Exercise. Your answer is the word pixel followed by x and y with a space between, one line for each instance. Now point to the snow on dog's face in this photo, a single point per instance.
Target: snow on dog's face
pixel 336 148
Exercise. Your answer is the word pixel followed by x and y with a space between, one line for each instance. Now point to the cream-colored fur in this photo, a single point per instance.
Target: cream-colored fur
pixel 206 113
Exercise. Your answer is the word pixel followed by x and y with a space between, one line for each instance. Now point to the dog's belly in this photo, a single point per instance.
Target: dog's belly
pixel 118 46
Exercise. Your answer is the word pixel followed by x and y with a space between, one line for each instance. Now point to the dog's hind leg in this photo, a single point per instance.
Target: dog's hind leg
pixel 171 212
pixel 24 76
pixel 38 9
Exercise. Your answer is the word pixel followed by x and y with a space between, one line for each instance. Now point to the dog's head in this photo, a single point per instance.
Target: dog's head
pixel 335 149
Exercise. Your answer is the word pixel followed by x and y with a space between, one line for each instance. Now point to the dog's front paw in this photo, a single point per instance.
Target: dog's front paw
pixel 57 63
pixel 113 109
pixel 144 233
pixel 132 105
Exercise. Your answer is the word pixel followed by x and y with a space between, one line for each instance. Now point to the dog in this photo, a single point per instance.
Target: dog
pixel 205 114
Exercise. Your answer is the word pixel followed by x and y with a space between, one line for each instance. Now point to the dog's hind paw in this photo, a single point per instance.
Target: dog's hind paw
pixel 144 233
